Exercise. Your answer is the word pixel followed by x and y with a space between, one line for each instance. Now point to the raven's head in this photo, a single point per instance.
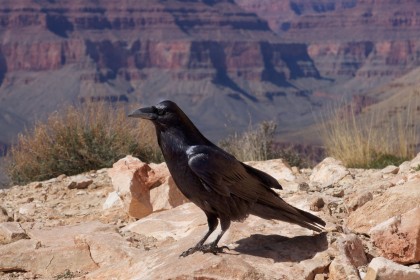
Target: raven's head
pixel 168 117
pixel 163 114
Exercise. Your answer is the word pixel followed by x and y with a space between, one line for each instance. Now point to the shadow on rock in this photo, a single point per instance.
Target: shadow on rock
pixel 281 248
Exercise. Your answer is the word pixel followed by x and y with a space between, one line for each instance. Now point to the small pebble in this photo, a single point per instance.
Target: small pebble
pixel 317 203
pixel 338 193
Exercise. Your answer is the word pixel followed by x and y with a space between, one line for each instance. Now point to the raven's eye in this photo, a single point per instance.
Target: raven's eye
pixel 160 111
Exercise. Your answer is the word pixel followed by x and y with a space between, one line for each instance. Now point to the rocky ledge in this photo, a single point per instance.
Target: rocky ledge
pixel 131 222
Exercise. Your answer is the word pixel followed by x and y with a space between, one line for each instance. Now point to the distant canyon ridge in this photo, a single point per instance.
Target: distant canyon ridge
pixel 228 63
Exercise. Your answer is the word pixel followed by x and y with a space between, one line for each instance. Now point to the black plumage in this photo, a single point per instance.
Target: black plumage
pixel 223 187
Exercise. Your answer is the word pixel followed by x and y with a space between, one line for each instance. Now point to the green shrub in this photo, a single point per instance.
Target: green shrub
pixel 380 161
pixel 79 139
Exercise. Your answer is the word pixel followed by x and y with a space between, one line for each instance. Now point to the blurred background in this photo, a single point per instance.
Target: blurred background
pixel 314 77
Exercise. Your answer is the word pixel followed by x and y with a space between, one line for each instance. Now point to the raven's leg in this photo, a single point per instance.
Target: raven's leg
pixel 212 222
pixel 212 247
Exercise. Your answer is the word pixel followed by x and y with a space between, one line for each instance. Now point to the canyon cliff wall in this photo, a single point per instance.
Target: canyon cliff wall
pixel 374 41
pixel 227 63
pixel 194 52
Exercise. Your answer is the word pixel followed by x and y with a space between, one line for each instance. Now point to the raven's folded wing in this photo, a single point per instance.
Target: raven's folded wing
pixel 225 175
pixel 267 179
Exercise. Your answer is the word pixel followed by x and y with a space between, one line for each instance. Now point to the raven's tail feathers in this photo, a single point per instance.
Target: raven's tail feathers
pixel 289 214
pixel 312 221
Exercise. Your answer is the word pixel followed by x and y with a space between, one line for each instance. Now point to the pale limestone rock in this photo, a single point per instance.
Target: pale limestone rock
pixel 54 203
pixel 52 251
pixel 316 203
pixel 129 179
pixel 11 231
pixel 166 196
pixel 260 249
pixel 164 225
pixel 342 269
pixel 413 176
pixel 380 185
pixel 276 168
pixel 320 276
pixel 415 162
pixel 203 267
pixel 36 185
pixel 399 237
pixel 404 167
pixel 362 273
pixel 144 188
pixel 338 193
pixel 383 269
pixel 351 247
pixel 328 172
pixel 390 169
pixel 351 255
pixel 45 261
pixel 303 186
pixel 134 179
pixel 64 235
pixel 113 200
pixel 62 177
pixel 280 171
pixel 122 173
pixel 357 200
pixel 316 265
pixel 27 209
pixel 295 170
pixel 4 217
pixel 79 182
pixel 107 248
pixel 290 187
pixel 395 201
pixel 398 180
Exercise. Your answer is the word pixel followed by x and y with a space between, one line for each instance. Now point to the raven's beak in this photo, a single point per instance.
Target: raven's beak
pixel 148 113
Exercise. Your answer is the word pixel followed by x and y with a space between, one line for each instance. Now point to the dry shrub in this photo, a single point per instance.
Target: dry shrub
pixel 254 144
pixel 298 154
pixel 257 144
pixel 79 139
pixel 374 140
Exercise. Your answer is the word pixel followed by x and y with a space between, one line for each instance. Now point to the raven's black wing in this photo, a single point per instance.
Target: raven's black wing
pixel 225 175
pixel 222 173
pixel 267 179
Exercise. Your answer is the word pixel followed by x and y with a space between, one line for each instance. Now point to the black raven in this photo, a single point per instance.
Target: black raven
pixel 223 187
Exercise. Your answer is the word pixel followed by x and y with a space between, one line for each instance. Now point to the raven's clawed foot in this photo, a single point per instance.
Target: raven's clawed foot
pixel 214 249
pixel 190 251
pixel 208 248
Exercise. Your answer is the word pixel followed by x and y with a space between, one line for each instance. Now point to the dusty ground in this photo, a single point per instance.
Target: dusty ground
pixel 64 224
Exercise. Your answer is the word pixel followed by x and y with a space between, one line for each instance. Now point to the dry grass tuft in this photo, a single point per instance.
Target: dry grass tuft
pixel 257 144
pixel 254 144
pixel 79 139
pixel 373 140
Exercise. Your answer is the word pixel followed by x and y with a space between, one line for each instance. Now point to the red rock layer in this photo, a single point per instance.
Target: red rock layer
pixel 367 39
pixel 125 37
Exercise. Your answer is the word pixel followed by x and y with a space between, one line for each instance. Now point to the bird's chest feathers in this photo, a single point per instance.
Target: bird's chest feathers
pixel 173 148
